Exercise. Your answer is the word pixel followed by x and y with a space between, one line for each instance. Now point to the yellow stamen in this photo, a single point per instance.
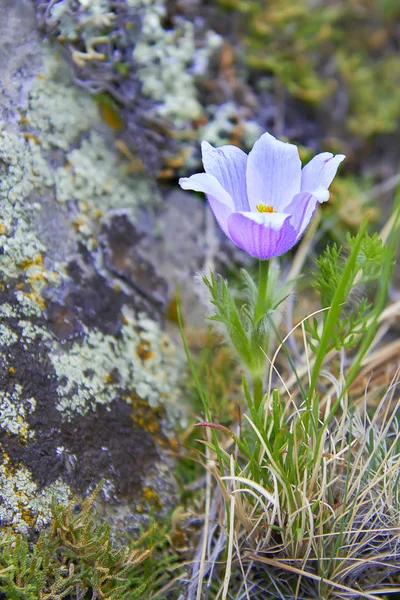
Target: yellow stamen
pixel 265 208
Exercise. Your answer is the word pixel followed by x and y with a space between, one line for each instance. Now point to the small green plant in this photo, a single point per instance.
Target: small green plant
pixel 307 487
pixel 76 558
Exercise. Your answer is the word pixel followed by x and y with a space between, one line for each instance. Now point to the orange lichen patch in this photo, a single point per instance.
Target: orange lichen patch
pixel 144 351
pixel 30 136
pixel 149 420
pixel 33 295
pixel 145 417
pixel 152 427
pixel 98 213
pixel 37 261
pixel 6 461
pixel 236 136
pixel 26 513
pixel 135 163
pixel 41 76
pixel 111 116
pixel 200 122
pixel 29 517
pixel 176 162
pixel 139 421
pixel 24 435
pixel 38 277
pixel 151 497
pixel 78 223
pixel 165 174
pixel 11 370
pixel 2 229
pixel 265 208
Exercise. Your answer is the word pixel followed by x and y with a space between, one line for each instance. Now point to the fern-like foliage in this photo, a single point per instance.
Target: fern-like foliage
pixel 76 559
pixel 372 257
pixel 247 317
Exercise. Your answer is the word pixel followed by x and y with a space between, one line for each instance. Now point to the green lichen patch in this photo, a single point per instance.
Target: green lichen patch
pixel 158 73
pixel 163 57
pixel 94 179
pixel 18 240
pixel 58 112
pixel 65 340
pixel 224 124
pixel 105 443
pixel 100 368
pixel 13 411
pixel 24 505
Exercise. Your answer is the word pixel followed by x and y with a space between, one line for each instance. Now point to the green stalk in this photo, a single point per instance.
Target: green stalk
pixel 260 307
pixel 379 305
pixel 334 312
pixel 258 391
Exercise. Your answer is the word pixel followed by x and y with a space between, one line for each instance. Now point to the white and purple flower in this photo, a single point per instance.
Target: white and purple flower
pixel 263 201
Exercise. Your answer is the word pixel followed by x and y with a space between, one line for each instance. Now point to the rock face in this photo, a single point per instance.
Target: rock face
pixel 89 386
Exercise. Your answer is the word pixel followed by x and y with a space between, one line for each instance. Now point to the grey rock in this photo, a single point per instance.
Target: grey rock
pixel 89 386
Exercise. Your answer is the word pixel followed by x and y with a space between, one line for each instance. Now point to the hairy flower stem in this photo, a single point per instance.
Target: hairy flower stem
pixel 260 307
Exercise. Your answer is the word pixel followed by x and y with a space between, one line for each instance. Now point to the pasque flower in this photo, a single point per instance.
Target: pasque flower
pixel 263 201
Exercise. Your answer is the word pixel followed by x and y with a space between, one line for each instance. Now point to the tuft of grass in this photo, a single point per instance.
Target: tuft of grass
pixel 314 511
pixel 306 499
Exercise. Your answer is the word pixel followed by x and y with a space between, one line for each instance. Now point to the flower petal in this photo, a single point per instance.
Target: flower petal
pixel 320 171
pixel 228 165
pixel 262 235
pixel 202 182
pixel 273 173
pixel 220 201
pixel 221 213
pixel 302 208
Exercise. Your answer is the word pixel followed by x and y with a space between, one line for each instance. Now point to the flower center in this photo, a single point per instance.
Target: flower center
pixel 265 208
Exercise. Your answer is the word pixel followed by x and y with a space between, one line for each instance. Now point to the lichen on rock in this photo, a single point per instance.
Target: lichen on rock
pixel 155 72
pixel 168 63
pixel 13 411
pixel 24 504
pixel 58 113
pixel 142 362
pixel 81 340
